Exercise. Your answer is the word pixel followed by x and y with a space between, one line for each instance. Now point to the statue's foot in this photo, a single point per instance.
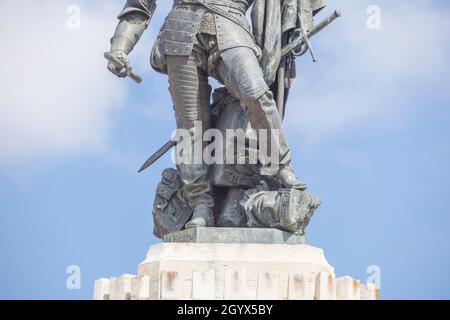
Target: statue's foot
pixel 196 223
pixel 287 178
pixel 202 217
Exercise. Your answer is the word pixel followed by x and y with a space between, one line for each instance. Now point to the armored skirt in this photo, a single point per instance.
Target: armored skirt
pixel 186 23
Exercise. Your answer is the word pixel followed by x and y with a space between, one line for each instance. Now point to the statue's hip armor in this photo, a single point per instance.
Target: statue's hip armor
pixel 177 36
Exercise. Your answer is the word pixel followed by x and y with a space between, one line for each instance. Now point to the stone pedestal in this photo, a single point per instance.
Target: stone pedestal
pixel 233 271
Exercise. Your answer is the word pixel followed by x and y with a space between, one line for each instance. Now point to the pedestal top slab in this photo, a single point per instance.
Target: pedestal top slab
pixel 234 235
pixel 183 254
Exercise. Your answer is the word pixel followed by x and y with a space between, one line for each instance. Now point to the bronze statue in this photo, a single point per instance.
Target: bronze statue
pixel 256 65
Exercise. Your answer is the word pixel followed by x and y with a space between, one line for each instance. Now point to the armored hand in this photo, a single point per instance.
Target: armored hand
pixel 122 69
pixel 134 19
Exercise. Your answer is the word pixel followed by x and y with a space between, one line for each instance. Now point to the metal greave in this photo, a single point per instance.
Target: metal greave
pixel 191 97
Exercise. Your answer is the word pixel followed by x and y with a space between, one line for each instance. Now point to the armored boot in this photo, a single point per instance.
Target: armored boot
pixel 202 217
pixel 197 189
pixel 287 178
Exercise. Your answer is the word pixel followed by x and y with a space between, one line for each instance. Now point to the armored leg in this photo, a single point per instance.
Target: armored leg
pixel 190 95
pixel 241 73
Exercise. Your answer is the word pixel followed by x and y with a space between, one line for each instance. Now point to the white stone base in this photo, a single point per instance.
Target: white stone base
pixel 233 271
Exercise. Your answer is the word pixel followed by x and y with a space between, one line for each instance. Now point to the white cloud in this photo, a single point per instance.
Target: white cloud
pixel 55 94
pixel 372 77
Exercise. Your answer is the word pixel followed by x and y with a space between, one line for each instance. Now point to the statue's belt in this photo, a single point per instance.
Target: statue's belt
pixel 217 7
pixel 222 3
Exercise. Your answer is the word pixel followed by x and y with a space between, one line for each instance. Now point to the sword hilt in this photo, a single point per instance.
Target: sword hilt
pixel 300 40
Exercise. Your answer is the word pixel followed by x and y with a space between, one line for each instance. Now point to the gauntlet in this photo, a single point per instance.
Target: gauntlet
pixel 134 19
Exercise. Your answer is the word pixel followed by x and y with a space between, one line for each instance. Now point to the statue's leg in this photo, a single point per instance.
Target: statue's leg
pixel 190 95
pixel 241 73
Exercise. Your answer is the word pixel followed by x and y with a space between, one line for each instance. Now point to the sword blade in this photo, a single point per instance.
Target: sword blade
pixel 158 154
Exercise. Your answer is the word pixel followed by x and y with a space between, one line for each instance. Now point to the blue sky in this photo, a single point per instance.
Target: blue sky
pixel 369 126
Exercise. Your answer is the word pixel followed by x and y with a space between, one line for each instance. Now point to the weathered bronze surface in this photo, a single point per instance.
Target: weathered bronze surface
pixel 256 65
